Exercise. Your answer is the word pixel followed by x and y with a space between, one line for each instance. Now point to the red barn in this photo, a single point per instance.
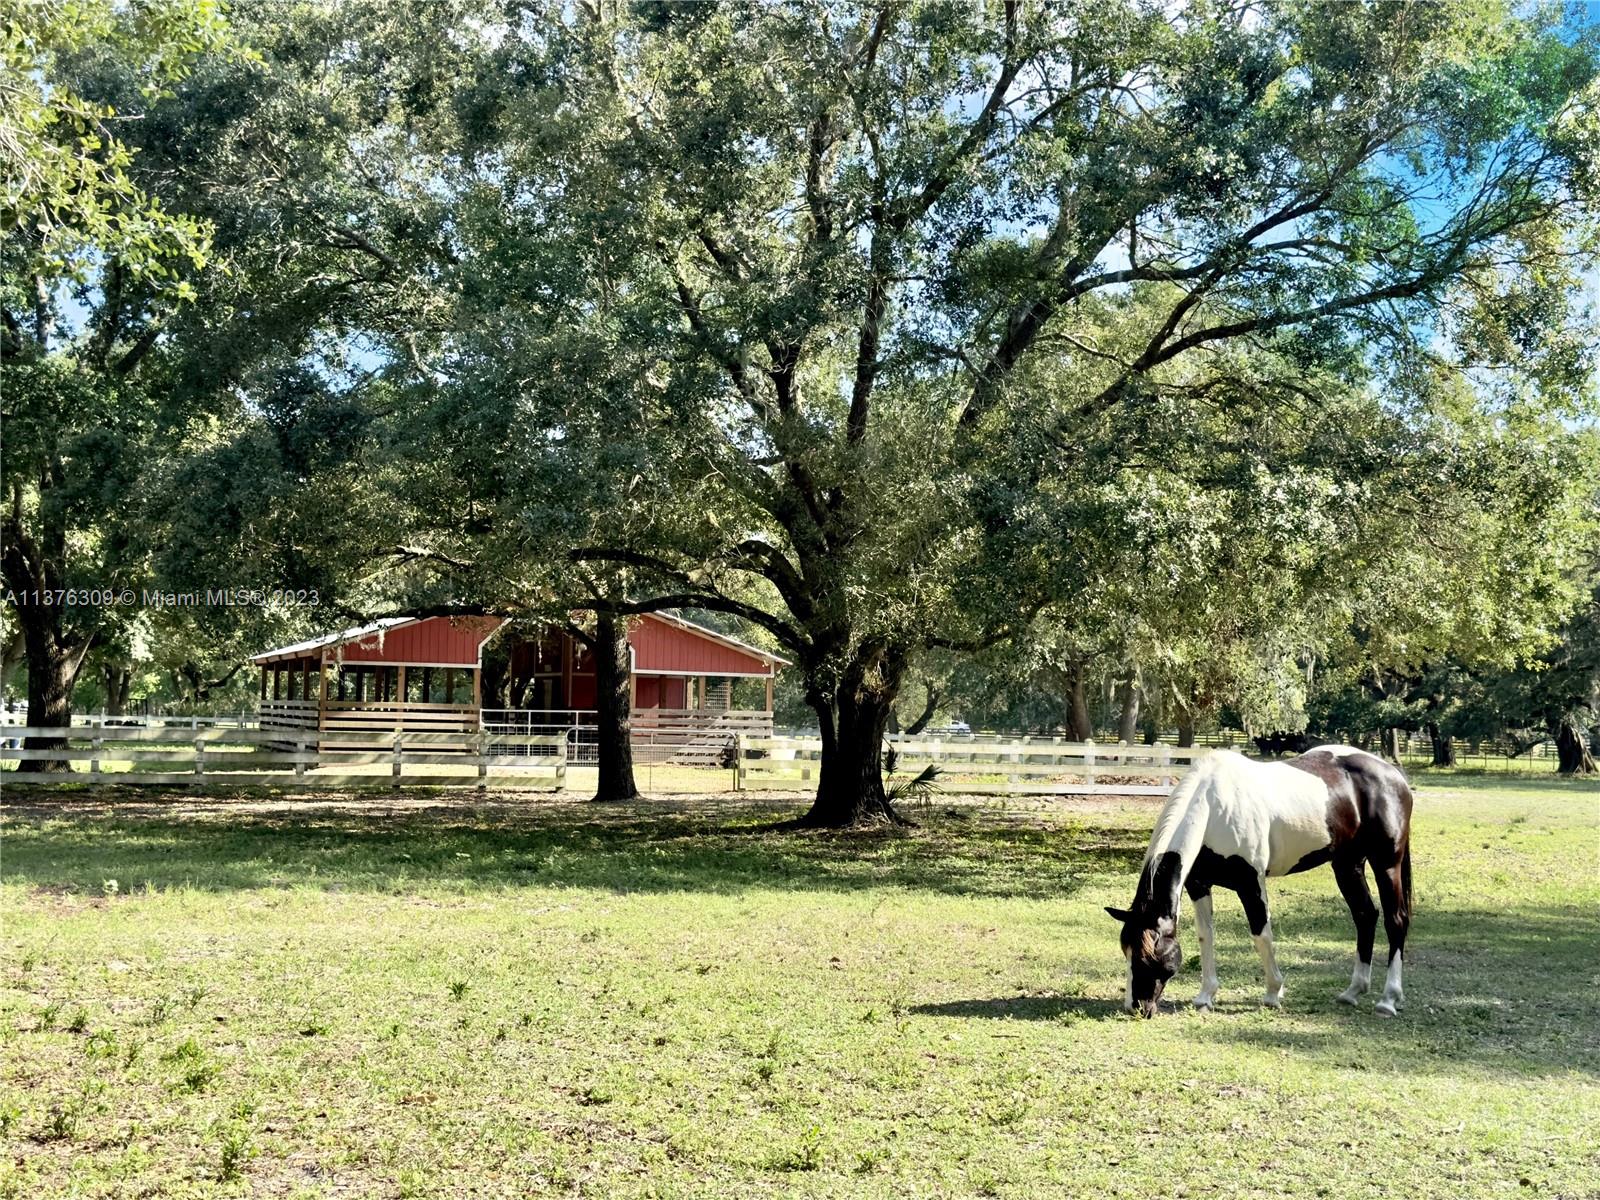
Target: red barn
pixel 426 674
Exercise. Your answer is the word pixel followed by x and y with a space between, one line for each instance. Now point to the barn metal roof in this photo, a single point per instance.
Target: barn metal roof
pixel 714 635
pixel 311 646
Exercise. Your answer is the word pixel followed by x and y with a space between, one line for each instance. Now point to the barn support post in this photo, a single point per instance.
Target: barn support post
pixel 400 698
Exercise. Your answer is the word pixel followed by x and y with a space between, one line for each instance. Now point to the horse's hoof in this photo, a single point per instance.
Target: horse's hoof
pixel 1385 1009
pixel 1273 1000
pixel 1205 1003
pixel 1353 999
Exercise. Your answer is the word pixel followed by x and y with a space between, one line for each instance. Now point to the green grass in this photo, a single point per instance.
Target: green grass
pixel 428 996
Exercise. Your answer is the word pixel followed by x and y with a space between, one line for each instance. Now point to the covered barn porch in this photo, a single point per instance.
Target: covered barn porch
pixel 418 674
pixel 694 690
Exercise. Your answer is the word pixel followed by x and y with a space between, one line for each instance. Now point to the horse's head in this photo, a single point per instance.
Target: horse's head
pixel 1150 944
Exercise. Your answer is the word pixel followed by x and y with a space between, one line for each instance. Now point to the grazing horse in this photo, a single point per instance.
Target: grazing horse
pixel 1231 822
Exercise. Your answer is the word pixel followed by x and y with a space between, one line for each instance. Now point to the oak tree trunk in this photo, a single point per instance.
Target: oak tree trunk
pixel 1128 697
pixel 854 718
pixel 926 715
pixel 1572 751
pixel 1185 732
pixel 11 657
pixel 613 709
pixel 1081 726
pixel 1444 747
pixel 117 682
pixel 53 665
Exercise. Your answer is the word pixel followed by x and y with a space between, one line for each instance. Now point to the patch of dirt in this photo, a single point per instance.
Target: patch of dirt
pixel 511 809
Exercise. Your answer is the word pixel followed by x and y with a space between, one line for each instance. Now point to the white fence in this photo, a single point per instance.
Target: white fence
pixel 96 720
pixel 701 737
pixel 310 758
pixel 979 766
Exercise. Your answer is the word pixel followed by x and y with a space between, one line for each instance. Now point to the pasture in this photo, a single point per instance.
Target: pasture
pixel 445 996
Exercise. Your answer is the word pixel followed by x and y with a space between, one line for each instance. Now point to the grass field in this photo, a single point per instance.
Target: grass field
pixel 321 998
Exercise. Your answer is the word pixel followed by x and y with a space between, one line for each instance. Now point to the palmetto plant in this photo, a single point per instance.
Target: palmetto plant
pixel 923 786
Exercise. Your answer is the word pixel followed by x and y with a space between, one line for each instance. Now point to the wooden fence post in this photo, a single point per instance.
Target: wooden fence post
pixel 738 762
pixel 483 759
pixel 561 768
pixel 199 762
pixel 97 745
pixel 1088 761
pixel 394 771
pixel 299 755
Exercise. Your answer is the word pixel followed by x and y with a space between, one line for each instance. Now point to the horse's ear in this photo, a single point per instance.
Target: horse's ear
pixel 1119 914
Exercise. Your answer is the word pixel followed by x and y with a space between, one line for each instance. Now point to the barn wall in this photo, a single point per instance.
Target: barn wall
pixel 440 640
pixel 660 646
pixel 660 691
pixel 583 691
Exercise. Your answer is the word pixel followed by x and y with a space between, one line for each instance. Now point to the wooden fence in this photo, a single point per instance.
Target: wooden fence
pixel 289 758
pixel 695 736
pixel 1020 767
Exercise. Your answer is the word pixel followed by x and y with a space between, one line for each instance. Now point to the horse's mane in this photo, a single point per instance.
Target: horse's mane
pixel 1202 777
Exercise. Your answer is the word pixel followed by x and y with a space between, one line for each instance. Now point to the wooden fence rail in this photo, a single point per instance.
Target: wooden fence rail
pixel 1021 767
pixel 288 758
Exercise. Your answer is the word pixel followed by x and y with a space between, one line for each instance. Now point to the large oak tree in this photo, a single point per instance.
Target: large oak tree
pixel 906 268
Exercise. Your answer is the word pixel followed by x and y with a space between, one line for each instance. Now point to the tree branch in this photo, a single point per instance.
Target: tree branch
pixel 132 356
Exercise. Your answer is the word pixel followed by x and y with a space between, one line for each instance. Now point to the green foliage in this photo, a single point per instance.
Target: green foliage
pixel 234 1148
pixel 889 330
pixel 71 195
pixel 1198 346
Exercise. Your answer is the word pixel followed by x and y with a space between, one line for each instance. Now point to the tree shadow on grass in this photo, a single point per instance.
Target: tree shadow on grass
pixel 1498 991
pixel 718 846
pixel 1025 1008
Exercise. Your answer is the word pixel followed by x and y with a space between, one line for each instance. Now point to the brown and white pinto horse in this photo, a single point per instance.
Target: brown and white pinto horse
pixel 1232 822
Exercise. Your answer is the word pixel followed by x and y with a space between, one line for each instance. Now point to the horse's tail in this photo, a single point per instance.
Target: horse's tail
pixel 1405 876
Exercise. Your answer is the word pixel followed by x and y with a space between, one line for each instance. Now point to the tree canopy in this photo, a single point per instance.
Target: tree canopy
pixel 1198 341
